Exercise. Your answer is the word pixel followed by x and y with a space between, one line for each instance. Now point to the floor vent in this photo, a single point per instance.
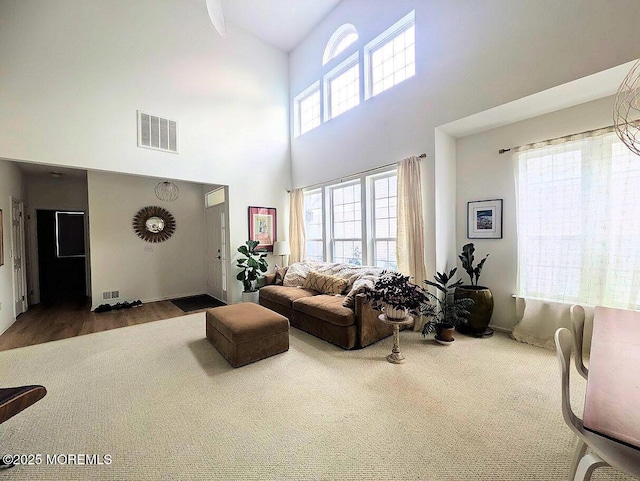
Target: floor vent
pixel 106 295
pixel 157 133
pixel 115 294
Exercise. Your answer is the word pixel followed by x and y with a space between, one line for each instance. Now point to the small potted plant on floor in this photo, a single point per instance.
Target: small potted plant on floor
pixel 395 295
pixel 445 313
pixel 253 266
pixel 482 297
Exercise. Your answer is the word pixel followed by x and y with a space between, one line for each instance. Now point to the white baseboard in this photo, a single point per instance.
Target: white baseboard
pixel 501 329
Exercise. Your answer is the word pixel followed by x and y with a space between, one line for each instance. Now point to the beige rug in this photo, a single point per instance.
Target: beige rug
pixel 162 402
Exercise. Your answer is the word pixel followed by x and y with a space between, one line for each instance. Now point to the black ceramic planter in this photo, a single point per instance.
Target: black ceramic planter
pixel 481 310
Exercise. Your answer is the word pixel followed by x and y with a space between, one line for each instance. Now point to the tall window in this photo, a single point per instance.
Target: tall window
pixel 342 87
pixel 391 57
pixel 384 195
pixel 357 232
pixel 346 224
pixel 578 222
pixel 314 225
pixel 307 110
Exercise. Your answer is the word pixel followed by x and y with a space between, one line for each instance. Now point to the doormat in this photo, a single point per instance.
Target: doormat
pixel 195 303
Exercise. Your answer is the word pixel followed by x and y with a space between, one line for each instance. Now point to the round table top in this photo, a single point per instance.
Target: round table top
pixel 399 322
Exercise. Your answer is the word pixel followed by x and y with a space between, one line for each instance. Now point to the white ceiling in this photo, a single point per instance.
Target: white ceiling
pixel 283 23
pixel 46 170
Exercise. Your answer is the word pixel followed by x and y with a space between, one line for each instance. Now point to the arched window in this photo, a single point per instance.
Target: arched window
pixel 344 36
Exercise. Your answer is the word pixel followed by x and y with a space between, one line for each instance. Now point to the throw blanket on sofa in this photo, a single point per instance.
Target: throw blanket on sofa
pixel 359 278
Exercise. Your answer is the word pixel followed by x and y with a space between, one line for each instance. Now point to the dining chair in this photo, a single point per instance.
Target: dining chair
pixel 577 328
pixel 604 451
pixel 14 400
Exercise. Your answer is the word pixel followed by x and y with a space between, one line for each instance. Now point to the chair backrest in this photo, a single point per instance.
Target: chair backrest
pixel 577 327
pixel 564 343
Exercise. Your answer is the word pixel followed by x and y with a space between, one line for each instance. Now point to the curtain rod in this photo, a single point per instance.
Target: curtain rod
pixel 586 132
pixel 342 179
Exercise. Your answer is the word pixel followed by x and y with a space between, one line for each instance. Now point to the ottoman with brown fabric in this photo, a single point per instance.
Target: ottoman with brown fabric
pixel 247 332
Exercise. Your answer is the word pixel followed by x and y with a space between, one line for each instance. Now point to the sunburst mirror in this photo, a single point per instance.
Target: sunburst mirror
pixel 154 224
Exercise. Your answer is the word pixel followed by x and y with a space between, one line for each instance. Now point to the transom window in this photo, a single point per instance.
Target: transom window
pixel 360 229
pixel 307 109
pixel 391 57
pixel 339 41
pixel 342 87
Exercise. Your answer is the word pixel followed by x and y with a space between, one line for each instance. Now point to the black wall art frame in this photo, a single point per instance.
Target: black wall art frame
pixel 484 219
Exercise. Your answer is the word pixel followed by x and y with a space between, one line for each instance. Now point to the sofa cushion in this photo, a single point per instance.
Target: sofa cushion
pixel 284 295
pixel 325 283
pixel 279 277
pixel 326 307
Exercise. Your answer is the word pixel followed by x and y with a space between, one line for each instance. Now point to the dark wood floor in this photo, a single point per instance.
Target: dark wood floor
pixel 74 318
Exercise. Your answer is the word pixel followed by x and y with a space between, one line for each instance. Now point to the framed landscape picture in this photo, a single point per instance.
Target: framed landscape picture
pixel 484 219
pixel 262 226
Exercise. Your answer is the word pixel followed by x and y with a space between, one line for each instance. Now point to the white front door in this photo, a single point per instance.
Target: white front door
pixel 216 252
pixel 17 257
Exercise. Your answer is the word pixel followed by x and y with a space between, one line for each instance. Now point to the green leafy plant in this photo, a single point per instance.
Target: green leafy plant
pixel 394 289
pixel 442 307
pixel 252 266
pixel 467 263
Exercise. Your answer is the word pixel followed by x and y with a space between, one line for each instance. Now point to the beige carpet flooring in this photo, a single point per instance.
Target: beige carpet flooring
pixel 165 405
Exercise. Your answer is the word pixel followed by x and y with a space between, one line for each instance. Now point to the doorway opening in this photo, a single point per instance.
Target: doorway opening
pixel 61 256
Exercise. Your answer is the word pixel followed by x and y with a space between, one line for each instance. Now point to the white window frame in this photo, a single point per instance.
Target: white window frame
pixel 310 90
pixel 321 191
pixel 330 227
pixel 371 206
pixel 333 74
pixel 340 34
pixel 396 29
pixel 367 214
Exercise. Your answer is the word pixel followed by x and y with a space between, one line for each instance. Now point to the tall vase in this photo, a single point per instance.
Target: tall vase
pixel 481 310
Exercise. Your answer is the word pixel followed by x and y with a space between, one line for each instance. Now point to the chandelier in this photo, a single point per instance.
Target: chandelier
pixel 167 191
pixel 626 110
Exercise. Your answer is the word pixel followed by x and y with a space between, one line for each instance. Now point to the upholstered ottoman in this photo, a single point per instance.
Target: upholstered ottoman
pixel 247 332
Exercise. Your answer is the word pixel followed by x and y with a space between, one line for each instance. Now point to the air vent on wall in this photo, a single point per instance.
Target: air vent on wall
pixel 157 133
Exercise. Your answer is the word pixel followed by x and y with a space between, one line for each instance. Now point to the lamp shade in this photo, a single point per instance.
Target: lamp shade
pixel 281 248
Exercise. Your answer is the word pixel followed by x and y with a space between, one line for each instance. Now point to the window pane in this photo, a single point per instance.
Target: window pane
pixel 309 111
pixel 384 222
pixel 313 224
pixel 394 61
pixel 344 91
pixel 347 224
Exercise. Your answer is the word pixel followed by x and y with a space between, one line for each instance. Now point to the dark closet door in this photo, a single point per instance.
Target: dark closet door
pixel 62 276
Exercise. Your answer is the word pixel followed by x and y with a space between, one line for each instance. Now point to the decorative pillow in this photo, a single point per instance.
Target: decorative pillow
pixel 325 283
pixel 280 273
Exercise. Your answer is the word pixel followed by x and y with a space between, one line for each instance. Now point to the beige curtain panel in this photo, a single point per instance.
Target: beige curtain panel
pixel 410 236
pixel 297 236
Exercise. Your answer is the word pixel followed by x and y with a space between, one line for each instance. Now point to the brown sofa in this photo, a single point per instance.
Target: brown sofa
pixel 324 316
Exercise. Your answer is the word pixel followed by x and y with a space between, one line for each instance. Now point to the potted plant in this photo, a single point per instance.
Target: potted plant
pixel 444 310
pixel 252 266
pixel 395 295
pixel 481 295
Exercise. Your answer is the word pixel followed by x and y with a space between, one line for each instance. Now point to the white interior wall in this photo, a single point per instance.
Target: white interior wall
pixel 471 56
pixel 11 185
pixel 120 260
pixel 482 173
pixel 50 193
pixel 75 72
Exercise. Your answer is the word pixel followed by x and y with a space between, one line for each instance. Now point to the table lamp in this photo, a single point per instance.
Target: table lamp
pixel 281 248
